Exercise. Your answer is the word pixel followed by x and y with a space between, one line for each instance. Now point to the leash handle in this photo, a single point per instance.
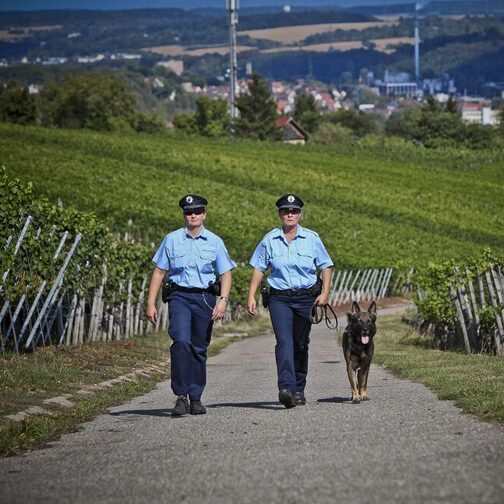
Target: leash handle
pixel 319 313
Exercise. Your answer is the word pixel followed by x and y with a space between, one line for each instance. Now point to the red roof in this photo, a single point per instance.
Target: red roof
pixel 282 121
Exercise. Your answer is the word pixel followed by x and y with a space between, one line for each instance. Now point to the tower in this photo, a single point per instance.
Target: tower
pixel 232 7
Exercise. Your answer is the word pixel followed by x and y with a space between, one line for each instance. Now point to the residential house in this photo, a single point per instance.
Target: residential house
pixel 292 132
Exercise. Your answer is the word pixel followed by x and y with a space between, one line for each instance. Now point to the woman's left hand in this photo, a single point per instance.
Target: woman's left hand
pixel 219 309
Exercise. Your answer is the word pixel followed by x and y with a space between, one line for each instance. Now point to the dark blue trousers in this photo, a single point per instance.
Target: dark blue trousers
pixel 290 317
pixel 190 329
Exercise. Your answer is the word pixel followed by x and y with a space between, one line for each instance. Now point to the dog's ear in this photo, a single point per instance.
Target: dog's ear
pixel 355 308
pixel 372 308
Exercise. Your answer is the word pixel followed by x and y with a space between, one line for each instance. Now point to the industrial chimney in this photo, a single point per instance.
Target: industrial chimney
pixel 417 43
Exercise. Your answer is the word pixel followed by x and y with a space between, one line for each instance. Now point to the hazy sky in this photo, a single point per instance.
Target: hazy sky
pixel 188 4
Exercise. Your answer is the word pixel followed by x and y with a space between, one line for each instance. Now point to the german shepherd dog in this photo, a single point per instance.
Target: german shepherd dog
pixel 358 348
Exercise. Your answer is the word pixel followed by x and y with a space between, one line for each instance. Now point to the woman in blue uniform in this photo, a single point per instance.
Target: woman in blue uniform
pixel 293 254
pixel 190 259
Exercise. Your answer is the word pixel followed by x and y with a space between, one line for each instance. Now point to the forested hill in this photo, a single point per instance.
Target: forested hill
pixel 106 31
pixel 444 7
pixel 373 205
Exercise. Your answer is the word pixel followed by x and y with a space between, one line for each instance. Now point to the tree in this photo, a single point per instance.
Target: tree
pixel 149 123
pixel 451 105
pixel 212 117
pixel 501 122
pixel 93 101
pixel 479 137
pixel 186 124
pixel 439 129
pixel 432 105
pixel 305 112
pixel 332 133
pixel 361 124
pixel 304 103
pixel 17 105
pixel 431 126
pixel 258 112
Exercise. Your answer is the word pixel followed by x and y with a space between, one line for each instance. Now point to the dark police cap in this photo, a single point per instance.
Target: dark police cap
pixel 192 202
pixel 289 201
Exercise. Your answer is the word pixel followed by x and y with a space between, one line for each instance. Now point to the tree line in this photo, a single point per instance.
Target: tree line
pixel 431 125
pixel 100 102
pixel 88 100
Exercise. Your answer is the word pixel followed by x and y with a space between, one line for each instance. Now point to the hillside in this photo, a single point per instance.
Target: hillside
pixel 372 206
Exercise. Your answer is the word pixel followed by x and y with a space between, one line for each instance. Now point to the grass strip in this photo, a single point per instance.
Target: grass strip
pixel 475 382
pixel 30 378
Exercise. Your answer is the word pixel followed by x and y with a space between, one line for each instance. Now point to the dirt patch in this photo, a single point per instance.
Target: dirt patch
pixel 381 45
pixel 290 34
pixel 23 32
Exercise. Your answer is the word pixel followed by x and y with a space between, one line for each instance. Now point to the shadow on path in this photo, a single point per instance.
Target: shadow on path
pixel 335 400
pixel 149 412
pixel 254 405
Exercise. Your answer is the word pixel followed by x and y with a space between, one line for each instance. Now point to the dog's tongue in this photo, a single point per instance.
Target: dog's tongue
pixel 364 339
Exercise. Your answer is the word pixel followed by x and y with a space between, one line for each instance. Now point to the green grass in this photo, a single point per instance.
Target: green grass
pixel 29 379
pixel 474 382
pixel 373 206
pixel 36 431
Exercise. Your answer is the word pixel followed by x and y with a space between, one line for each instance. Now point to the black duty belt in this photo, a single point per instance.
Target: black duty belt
pixel 190 290
pixel 291 292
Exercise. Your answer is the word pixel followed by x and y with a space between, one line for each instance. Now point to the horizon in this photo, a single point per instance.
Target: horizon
pixel 37 5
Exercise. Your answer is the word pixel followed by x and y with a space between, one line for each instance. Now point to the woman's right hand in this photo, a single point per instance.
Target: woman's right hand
pixel 152 314
pixel 251 306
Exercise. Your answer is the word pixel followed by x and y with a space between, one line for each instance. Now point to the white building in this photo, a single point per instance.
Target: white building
pixel 397 84
pixel 478 111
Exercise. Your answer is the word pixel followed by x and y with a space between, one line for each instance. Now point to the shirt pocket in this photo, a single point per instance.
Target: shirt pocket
pixel 177 259
pixel 207 258
pixel 277 258
pixel 305 257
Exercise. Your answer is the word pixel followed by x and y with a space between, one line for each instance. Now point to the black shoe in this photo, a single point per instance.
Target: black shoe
pixel 197 408
pixel 300 398
pixel 286 397
pixel 181 406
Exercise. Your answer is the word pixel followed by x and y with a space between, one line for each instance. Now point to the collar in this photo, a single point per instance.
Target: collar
pixel 187 236
pixel 299 234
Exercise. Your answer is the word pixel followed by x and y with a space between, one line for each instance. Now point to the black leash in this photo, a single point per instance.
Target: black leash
pixel 319 312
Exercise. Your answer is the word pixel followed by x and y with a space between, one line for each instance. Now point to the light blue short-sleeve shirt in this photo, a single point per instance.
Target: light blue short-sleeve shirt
pixel 193 262
pixel 293 265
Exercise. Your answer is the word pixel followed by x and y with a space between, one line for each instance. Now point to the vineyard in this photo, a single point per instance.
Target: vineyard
pixel 374 205
pixel 65 278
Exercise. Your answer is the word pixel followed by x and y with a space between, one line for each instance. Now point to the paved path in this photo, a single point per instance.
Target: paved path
pixel 403 446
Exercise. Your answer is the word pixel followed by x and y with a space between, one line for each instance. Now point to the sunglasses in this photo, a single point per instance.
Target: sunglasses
pixel 287 211
pixel 194 212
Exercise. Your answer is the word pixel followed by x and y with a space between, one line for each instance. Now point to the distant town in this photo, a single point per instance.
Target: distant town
pixel 366 59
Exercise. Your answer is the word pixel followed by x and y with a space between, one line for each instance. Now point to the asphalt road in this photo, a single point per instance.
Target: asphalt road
pixel 402 446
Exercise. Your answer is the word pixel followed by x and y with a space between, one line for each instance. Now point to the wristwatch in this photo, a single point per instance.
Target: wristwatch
pixel 224 298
